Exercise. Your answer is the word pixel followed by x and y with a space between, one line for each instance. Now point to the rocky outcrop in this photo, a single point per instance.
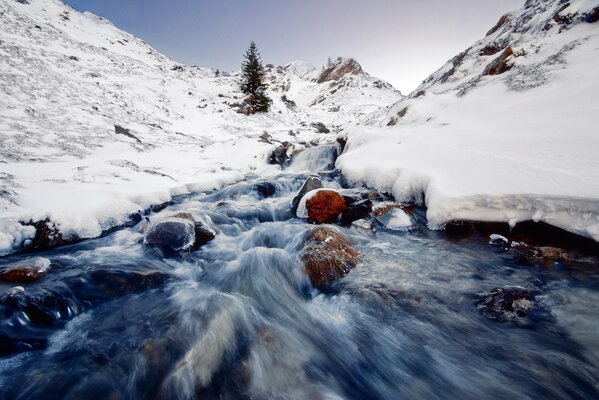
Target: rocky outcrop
pixel 282 154
pixel 329 256
pixel 310 184
pixel 119 130
pixel 325 206
pixel 340 68
pixel 501 64
pixel 319 127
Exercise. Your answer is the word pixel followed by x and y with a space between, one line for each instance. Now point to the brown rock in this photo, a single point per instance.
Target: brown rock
pixel 329 256
pixel 500 64
pixel 25 271
pixel 325 206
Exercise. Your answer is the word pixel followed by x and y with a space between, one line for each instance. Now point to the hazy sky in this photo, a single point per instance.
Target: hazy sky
pixel 398 40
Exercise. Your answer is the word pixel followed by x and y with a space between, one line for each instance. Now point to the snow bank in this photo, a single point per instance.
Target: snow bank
pixel 511 147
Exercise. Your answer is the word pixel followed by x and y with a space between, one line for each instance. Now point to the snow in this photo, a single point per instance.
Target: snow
pixel 399 220
pixel 511 147
pixel 67 78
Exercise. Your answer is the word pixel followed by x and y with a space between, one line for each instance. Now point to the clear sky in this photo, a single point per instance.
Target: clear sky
pixel 400 41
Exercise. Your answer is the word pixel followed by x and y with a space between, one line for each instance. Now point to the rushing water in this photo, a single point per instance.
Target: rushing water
pixel 115 319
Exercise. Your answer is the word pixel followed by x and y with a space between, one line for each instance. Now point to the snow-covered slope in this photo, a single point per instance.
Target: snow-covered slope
pixel 505 131
pixel 66 80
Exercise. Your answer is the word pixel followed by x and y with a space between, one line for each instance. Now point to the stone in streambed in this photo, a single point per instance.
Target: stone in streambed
pixel 25 271
pixel 325 205
pixel 310 184
pixel 328 256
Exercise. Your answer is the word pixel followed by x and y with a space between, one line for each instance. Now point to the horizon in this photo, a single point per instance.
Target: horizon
pixel 441 32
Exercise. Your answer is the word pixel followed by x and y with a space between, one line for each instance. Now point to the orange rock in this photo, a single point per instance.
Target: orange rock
pixel 325 206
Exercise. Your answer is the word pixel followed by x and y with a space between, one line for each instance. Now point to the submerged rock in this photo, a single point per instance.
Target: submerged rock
pixel 324 206
pixel 310 184
pixel 25 271
pixel 506 304
pixel 265 189
pixel 329 256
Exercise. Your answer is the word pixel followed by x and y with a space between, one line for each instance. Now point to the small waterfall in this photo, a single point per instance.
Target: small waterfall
pixel 321 158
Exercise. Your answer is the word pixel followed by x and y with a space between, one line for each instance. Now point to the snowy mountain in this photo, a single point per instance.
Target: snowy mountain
pixel 504 131
pixel 96 125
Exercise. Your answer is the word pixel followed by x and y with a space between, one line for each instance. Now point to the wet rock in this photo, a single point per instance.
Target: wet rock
pixel 265 189
pixel 282 154
pixel 319 127
pixel 499 241
pixel 328 256
pixel 325 206
pixel 532 254
pixel 173 233
pixel 393 215
pixel 355 211
pixel 47 236
pixel 342 141
pixel 506 304
pixel 310 184
pixel 29 270
pixel 203 234
pixel 501 64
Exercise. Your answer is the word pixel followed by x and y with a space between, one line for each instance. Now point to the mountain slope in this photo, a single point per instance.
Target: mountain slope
pixel 67 78
pixel 505 131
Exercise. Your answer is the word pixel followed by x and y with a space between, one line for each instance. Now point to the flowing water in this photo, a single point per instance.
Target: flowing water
pixel 115 319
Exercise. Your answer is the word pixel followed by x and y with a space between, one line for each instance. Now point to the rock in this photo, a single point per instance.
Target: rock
pixel 355 210
pixel 47 235
pixel 289 103
pixel 245 109
pixel 534 254
pixel 173 233
pixel 178 68
pixel 324 206
pixel 498 240
pixel 342 142
pixel 203 234
pixel 319 127
pixel 310 184
pixel 282 154
pixel 504 18
pixel 25 271
pixel 501 64
pixel 340 68
pixel 592 16
pixel 265 189
pixel 553 253
pixel 393 215
pixel 506 304
pixel 329 256
pixel 119 130
pixel 265 137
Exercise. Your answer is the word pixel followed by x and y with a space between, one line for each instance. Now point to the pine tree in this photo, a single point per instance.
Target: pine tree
pixel 252 80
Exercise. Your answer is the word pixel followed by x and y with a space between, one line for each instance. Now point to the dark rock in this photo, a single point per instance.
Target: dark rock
pixel 356 211
pixel 289 103
pixel 310 184
pixel 325 206
pixel 282 154
pixel 47 235
pixel 320 127
pixel 265 189
pixel 172 233
pixel 29 270
pixel 203 234
pixel 342 141
pixel 178 68
pixel 592 16
pixel 265 137
pixel 37 27
pixel 500 64
pixel 119 130
pixel 506 304
pixel 328 256
pixel 74 58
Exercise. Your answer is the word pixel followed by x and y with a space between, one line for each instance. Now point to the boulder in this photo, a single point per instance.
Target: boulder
pixel 25 271
pixel 173 233
pixel 328 256
pixel 47 235
pixel 310 184
pixel 324 205
pixel 355 210
pixel 340 68
pixel 203 234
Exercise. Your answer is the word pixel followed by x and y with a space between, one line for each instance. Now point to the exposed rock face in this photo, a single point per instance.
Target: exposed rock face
pixel 329 256
pixel 340 68
pixel 319 127
pixel 25 271
pixel 500 64
pixel 310 184
pixel 119 130
pixel 325 206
